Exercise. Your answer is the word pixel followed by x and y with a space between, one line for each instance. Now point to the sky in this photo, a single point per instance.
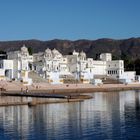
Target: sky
pixel 69 19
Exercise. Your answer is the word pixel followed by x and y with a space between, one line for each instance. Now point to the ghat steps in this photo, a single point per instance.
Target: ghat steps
pixel 36 78
pixel 107 80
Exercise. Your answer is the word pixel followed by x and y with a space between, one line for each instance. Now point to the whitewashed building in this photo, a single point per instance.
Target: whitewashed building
pixel 51 65
pixel 21 64
pixel 115 69
pixel 54 67
pixel 6 69
pixel 79 67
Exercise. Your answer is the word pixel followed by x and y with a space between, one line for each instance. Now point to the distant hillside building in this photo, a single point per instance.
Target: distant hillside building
pixel 54 67
pixel 80 65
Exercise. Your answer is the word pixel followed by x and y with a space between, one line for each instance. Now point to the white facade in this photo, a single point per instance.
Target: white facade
pixel 54 78
pixel 53 66
pixel 96 82
pixel 21 60
pixel 105 66
pixel 97 67
pixel 6 69
pixel 129 75
pixel 115 68
pixel 80 67
pixel 106 57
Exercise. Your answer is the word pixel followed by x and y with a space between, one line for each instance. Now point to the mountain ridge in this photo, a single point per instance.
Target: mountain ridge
pixel 130 47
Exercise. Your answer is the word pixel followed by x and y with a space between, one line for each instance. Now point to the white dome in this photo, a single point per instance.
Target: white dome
pixel 83 54
pixel 56 53
pixel 48 53
pixel 48 50
pixel 24 49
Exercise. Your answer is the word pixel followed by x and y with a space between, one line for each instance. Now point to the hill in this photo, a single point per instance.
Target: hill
pixel 126 49
pixel 129 47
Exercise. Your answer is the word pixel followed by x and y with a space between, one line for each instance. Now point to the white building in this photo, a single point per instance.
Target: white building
pixel 97 67
pixel 79 67
pixel 79 64
pixel 6 69
pixel 115 68
pixel 21 63
pixel 52 67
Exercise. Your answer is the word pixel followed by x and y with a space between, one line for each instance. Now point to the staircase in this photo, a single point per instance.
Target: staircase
pixel 36 78
pixel 107 80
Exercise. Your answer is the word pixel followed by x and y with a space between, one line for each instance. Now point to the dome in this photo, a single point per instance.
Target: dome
pixel 48 50
pixel 75 53
pixel 56 53
pixel 24 49
pixel 83 54
pixel 48 53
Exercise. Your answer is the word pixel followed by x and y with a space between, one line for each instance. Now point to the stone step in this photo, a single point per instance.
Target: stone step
pixel 36 78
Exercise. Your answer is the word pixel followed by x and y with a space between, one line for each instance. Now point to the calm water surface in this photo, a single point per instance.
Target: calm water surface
pixel 114 115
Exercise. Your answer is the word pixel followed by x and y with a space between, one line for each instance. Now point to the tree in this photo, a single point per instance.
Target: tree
pixel 137 66
pixel 127 60
pixel 2 52
pixel 115 57
pixel 97 56
pixel 30 50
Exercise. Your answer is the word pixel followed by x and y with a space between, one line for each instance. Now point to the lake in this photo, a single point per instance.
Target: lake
pixel 110 115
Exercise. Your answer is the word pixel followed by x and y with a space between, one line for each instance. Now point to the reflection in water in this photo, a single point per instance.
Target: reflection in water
pixel 113 115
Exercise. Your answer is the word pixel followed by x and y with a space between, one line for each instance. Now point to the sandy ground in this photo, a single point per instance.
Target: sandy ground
pixel 17 86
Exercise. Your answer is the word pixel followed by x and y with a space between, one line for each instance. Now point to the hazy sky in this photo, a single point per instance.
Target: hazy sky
pixel 69 19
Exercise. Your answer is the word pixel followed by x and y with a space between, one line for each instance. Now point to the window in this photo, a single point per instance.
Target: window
pixel 48 65
pixel 1 66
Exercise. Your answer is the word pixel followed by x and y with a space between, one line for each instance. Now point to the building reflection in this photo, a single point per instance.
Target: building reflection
pixel 105 113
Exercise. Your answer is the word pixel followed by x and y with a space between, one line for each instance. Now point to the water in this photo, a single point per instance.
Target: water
pixel 114 115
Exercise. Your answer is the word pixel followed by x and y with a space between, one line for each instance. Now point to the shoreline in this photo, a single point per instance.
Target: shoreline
pixel 79 92
pixel 71 88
